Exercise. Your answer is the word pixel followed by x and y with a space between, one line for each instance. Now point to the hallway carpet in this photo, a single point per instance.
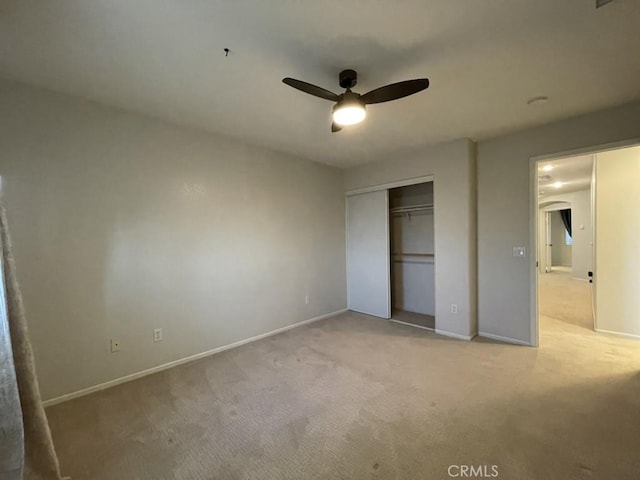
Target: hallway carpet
pixel 565 298
pixel 356 397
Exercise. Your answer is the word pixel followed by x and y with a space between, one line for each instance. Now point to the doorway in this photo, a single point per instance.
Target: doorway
pixel 565 242
pixel 411 229
pixel 586 269
pixel 556 239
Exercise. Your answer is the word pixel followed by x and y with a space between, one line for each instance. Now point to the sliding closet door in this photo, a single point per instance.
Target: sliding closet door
pixel 368 275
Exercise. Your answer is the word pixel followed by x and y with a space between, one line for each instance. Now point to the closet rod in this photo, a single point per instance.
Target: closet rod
pixel 412 208
pixel 415 262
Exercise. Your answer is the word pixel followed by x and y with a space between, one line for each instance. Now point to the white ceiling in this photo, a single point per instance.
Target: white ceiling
pixel 485 59
pixel 574 173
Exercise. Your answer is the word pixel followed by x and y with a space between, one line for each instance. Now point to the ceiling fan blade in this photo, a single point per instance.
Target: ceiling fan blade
pixel 311 89
pixel 395 91
pixel 335 127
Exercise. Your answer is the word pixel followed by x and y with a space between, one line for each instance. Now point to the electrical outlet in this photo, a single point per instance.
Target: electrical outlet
pixel 115 346
pixel 306 299
pixel 454 308
pixel 157 335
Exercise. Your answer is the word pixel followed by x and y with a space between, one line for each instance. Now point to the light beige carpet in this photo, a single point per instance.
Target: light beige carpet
pixel 356 397
pixel 565 298
pixel 419 319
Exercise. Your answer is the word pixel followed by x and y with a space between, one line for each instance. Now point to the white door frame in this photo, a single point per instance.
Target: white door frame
pixel 534 212
pixel 548 246
pixel 546 253
pixel 387 186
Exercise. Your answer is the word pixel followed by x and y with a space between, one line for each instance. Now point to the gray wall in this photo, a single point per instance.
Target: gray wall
pixel 504 210
pixel 453 167
pixel 123 224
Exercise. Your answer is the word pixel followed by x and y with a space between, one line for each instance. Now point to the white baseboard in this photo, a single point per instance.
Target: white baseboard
pixel 619 334
pixel 181 361
pixel 468 338
pixel 504 339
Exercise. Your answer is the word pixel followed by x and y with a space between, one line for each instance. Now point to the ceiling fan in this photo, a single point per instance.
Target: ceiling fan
pixel 350 106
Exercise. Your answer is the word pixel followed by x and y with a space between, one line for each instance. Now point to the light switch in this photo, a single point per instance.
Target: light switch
pixel 519 252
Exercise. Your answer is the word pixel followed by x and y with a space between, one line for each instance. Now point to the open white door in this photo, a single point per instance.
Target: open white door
pixel 547 243
pixel 617 256
pixel 541 244
pixel 368 267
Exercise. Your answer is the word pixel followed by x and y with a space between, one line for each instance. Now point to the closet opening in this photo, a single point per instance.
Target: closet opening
pixel 411 232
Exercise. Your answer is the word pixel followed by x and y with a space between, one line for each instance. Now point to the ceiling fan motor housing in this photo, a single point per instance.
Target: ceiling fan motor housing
pixel 348 78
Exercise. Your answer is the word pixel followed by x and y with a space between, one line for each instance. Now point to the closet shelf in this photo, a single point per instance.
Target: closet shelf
pixel 426 207
pixel 414 254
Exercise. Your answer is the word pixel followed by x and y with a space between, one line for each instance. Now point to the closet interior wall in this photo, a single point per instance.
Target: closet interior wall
pixel 412 254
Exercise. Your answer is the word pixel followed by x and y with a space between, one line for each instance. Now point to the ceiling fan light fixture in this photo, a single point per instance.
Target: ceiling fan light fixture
pixel 348 113
pixel 350 107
